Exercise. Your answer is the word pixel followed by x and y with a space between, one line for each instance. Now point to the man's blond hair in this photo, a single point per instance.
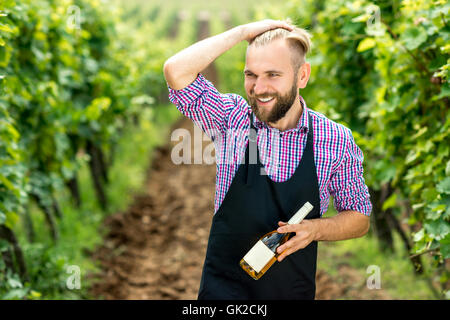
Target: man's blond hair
pixel 299 41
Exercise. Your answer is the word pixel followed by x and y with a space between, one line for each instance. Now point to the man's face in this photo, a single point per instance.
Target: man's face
pixel 270 80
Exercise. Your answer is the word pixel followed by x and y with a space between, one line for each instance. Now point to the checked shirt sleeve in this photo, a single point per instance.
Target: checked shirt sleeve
pixel 204 104
pixel 347 185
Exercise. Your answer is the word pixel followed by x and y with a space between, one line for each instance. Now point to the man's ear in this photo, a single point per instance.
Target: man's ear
pixel 303 75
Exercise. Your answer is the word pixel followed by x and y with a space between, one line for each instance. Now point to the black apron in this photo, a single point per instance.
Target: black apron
pixel 252 207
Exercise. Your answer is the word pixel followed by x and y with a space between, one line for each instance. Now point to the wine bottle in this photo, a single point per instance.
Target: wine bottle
pixel 264 253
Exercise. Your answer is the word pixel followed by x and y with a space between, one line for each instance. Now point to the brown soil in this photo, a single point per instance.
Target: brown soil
pixel 156 248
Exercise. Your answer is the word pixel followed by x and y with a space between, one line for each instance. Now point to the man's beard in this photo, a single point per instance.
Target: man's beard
pixel 279 110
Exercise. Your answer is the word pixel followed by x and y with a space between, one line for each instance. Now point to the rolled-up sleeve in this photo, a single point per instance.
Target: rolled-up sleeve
pixel 204 104
pixel 347 185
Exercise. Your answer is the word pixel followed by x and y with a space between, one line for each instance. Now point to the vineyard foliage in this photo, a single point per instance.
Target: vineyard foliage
pixel 72 77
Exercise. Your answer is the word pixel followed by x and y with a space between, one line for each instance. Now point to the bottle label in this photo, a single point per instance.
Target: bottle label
pixel 258 256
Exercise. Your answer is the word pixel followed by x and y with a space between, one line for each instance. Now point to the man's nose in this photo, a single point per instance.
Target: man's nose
pixel 260 87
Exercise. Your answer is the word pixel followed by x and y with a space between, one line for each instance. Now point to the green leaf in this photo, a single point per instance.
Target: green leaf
pixel 13 283
pixel 34 294
pixel 419 235
pixel 429 194
pixel 366 44
pixel 413 37
pixel 15 294
pixel 437 229
pixel 5 28
pixel 445 92
pixel 97 107
pixel 8 184
pixel 435 210
pixel 411 156
pixel 446 201
pixel 445 246
pixel 419 133
pixel 11 219
pixel 390 202
pixel 444 186
pixel 362 18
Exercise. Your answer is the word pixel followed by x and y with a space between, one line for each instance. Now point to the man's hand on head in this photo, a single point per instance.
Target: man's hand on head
pixel 254 29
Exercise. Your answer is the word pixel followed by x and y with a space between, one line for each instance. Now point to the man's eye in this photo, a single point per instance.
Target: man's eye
pixel 273 75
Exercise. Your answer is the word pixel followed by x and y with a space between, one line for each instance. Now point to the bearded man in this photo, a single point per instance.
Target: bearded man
pixel 301 156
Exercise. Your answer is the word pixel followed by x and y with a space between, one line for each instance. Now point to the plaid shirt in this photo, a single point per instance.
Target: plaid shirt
pixel 224 118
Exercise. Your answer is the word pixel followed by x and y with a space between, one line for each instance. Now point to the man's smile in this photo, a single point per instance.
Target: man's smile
pixel 265 101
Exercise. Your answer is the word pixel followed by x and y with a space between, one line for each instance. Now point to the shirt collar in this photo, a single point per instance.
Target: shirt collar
pixel 302 125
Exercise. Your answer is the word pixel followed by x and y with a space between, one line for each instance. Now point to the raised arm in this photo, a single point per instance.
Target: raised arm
pixel 182 69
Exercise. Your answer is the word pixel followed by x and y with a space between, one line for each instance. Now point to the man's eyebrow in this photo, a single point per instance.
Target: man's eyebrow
pixel 247 71
pixel 274 71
